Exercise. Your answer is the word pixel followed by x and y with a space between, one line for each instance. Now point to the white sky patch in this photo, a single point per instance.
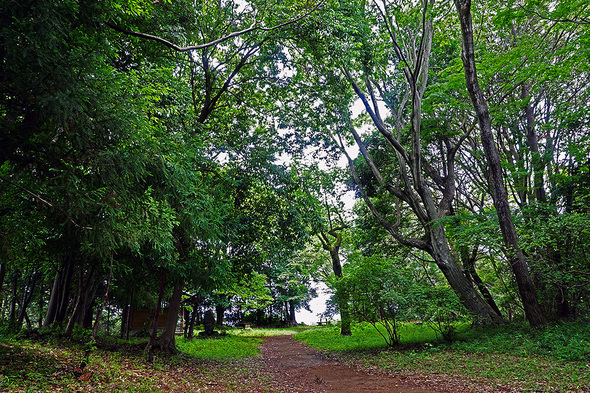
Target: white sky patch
pixel 317 305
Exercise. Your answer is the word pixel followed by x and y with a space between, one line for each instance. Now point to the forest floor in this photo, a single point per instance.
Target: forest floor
pixel 303 369
pixel 284 365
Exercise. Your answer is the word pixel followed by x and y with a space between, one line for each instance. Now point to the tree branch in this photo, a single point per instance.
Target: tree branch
pixel 580 21
pixel 45 202
pixel 253 27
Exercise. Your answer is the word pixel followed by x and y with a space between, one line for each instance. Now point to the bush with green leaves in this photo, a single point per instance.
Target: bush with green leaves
pixel 385 292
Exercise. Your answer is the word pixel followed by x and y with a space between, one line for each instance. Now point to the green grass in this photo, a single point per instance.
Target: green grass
pixel 233 344
pixel 555 358
pixel 563 341
pixel 224 347
pixel 510 358
pixel 365 337
pixel 264 332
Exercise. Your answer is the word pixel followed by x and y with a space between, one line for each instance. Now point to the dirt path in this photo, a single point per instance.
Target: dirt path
pixel 303 369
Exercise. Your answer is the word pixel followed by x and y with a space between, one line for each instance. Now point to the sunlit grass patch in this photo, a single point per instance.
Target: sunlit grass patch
pixel 364 337
pixel 267 332
pixel 220 348
pixel 234 343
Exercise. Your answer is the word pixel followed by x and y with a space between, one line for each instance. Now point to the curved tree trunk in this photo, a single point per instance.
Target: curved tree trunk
pixel 462 286
pixel 83 297
pixel 469 265
pixel 342 297
pixel 526 288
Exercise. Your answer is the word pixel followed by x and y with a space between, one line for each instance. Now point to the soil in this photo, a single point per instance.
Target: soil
pixel 303 369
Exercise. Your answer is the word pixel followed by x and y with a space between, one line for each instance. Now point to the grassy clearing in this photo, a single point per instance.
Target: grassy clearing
pixel 511 358
pixel 222 348
pixel 364 337
pixel 227 363
pixel 233 344
pixel 268 332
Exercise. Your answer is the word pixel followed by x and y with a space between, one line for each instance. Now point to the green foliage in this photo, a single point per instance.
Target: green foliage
pixel 384 292
pixel 378 295
pixel 441 309
pixel 559 247
pixel 561 342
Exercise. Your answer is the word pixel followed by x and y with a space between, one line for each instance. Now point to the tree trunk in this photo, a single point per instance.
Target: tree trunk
pixel 533 311
pixel 219 312
pixel 533 142
pixel 60 293
pixel 342 297
pixel 191 327
pixel 470 298
pixel 81 308
pixel 66 288
pixel 12 312
pixel 167 340
pixel 469 264
pixel 53 300
pixel 27 297
pixel 292 319
pixel 125 321
pixel 154 332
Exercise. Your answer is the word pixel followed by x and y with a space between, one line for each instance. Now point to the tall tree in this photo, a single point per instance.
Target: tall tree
pixel 365 59
pixel 533 311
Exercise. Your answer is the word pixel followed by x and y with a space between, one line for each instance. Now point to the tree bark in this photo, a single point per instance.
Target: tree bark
pixel 533 142
pixel 469 265
pixel 81 308
pixel 292 319
pixel 154 331
pixel 12 308
pixel 526 288
pixel 53 301
pixel 219 312
pixel 27 297
pixel 191 327
pixel 167 340
pixel 65 292
pixel 342 297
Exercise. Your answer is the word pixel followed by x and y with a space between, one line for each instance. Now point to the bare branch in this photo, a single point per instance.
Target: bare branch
pixel 392 229
pixel 253 27
pixel 580 21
